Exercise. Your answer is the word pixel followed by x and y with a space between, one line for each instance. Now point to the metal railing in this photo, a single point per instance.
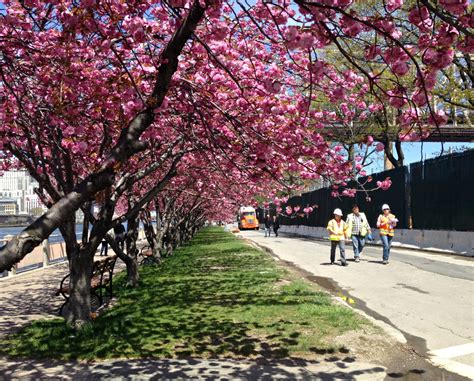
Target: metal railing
pixel 44 255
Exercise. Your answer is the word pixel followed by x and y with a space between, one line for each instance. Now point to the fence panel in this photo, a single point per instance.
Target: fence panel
pixel 442 192
pixel 436 194
pixel 396 197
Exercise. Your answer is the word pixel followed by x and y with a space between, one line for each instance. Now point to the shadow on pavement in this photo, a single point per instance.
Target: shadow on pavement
pixel 332 368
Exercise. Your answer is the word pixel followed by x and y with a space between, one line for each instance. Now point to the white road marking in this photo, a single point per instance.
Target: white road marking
pixel 442 357
pixel 455 367
pixel 456 351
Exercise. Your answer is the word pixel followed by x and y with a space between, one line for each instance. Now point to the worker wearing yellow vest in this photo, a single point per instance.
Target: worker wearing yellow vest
pixel 386 223
pixel 337 234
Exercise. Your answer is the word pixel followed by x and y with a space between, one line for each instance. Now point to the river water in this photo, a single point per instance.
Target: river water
pixel 54 237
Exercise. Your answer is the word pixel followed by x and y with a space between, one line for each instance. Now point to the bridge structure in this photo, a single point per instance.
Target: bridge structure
pixel 455 133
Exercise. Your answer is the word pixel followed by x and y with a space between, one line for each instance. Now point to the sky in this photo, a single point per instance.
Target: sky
pixel 413 153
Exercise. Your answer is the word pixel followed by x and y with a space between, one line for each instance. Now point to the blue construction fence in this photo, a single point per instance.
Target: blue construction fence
pixel 436 194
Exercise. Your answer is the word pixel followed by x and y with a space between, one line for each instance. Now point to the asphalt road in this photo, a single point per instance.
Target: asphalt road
pixel 428 297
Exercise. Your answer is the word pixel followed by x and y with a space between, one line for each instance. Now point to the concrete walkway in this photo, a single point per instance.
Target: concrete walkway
pixel 428 297
pixel 192 369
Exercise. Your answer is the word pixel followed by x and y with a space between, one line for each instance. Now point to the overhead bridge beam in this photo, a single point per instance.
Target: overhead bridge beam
pixel 461 133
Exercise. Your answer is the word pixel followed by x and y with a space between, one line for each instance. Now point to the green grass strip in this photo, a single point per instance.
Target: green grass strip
pixel 215 297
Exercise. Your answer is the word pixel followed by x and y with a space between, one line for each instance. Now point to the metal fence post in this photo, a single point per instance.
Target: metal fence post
pixel 46 253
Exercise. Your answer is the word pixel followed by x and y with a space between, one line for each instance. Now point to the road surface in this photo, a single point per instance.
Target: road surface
pixel 428 297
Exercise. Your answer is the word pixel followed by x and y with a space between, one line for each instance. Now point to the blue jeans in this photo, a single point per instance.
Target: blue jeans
pixel 387 243
pixel 268 231
pixel 342 251
pixel 358 243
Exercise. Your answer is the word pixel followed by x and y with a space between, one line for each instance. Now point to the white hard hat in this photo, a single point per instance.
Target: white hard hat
pixel 385 206
pixel 337 212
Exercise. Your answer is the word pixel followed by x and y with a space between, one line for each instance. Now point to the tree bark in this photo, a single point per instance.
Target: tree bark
pixel 56 216
pixel 77 311
pixel 130 262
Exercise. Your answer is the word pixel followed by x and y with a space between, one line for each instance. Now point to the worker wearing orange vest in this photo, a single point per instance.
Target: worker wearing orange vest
pixel 386 223
pixel 337 234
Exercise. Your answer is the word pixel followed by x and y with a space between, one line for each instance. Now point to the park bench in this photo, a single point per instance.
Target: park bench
pixel 101 283
pixel 145 257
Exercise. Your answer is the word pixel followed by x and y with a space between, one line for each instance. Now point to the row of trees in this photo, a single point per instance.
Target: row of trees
pixel 192 107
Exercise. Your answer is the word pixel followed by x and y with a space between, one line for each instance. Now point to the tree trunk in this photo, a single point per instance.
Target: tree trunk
pixel 77 311
pixel 400 154
pixel 389 156
pixel 130 262
pixel 132 236
pixel 150 234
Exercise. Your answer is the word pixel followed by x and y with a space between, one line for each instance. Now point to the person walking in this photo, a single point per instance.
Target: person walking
pixel 386 223
pixel 357 229
pixel 104 247
pixel 268 225
pixel 276 225
pixel 337 234
pixel 120 234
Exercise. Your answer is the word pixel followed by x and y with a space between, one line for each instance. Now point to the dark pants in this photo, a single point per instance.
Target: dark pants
pixel 275 230
pixel 342 251
pixel 104 248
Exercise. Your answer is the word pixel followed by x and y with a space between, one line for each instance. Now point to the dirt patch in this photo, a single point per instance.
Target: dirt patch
pixel 282 282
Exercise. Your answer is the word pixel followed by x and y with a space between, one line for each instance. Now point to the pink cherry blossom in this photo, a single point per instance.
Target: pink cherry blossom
pixel 379 147
pixel 393 5
pixel 457 7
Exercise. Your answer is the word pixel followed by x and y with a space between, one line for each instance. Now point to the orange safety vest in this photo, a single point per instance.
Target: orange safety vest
pixel 384 225
pixel 339 230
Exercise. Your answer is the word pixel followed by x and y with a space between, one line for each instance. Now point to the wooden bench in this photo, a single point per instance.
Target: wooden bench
pixel 101 283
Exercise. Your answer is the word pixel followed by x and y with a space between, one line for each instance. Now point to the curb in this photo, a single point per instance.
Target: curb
pixel 395 245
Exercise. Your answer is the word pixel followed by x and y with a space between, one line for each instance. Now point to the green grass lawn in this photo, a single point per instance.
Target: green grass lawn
pixel 217 296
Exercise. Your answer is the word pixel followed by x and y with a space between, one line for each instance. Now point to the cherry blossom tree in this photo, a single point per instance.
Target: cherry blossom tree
pixel 95 96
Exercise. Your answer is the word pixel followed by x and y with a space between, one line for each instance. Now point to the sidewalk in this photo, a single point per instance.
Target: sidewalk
pixel 427 297
pixel 193 369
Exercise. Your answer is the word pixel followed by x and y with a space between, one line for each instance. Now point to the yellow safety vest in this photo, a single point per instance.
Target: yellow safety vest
pixel 384 225
pixel 338 229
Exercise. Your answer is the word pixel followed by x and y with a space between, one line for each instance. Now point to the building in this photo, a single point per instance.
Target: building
pixel 8 207
pixel 19 186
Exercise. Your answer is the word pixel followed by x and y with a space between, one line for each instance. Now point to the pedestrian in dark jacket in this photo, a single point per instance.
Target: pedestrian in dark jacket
pixel 268 225
pixel 120 235
pixel 276 225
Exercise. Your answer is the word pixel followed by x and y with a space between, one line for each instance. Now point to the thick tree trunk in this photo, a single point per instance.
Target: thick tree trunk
pixel 77 311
